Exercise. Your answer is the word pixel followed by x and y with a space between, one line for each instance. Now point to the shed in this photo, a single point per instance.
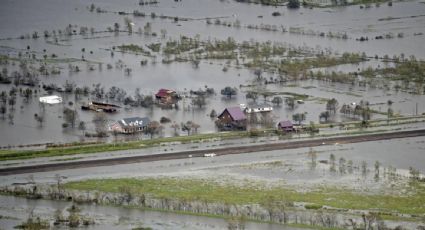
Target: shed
pixel 286 126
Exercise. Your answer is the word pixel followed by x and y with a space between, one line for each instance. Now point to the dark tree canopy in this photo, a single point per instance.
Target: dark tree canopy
pixel 229 91
pixel 293 4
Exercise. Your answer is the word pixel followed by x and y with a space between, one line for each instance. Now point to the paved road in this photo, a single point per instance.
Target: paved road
pixel 218 152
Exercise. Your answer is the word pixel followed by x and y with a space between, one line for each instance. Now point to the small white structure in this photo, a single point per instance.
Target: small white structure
pixel 53 99
pixel 257 109
pixel 210 155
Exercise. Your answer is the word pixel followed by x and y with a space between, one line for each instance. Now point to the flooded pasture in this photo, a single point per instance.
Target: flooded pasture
pixel 15 210
pixel 353 169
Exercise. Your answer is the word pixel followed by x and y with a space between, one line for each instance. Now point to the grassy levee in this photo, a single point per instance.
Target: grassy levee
pixel 249 192
pixel 84 148
pixel 77 148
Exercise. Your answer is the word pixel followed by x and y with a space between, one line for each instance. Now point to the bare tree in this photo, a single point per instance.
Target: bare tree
pixel 176 127
pixel 313 157
pixel 40 119
pixel 101 124
pixel 199 101
pixel 70 116
pixel 290 102
pixel 332 162
pixel 153 128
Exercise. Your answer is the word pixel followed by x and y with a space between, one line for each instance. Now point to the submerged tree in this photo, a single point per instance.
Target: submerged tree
pixel 299 117
pixel 313 157
pixel 277 100
pixel 229 91
pixel 154 128
pixel 176 127
pixel 199 101
pixel 332 162
pixel 290 102
pixel 251 95
pixel 332 105
pixel 40 119
pixel 70 116
pixel 293 4
pixel 101 124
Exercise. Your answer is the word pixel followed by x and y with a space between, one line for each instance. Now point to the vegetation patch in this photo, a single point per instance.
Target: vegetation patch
pixel 250 192
pixel 134 48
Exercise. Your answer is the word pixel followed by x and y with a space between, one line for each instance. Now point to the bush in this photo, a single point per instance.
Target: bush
pixel 254 133
pixel 164 120
pixel 313 206
pixel 276 13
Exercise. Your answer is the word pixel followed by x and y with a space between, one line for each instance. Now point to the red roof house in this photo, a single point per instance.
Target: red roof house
pixel 286 126
pixel 166 96
pixel 232 118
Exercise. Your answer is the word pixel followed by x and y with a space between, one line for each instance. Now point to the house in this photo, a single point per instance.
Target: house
pixel 130 125
pixel 100 106
pixel 256 108
pixel 166 96
pixel 232 118
pixel 286 126
pixel 53 99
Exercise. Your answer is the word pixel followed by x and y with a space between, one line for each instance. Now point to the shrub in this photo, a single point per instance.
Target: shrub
pixel 313 206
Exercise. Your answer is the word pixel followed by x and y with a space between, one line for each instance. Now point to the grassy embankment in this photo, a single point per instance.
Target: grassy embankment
pixel 413 202
pixel 81 148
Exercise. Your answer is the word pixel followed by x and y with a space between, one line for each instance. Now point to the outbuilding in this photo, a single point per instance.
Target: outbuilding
pixel 286 126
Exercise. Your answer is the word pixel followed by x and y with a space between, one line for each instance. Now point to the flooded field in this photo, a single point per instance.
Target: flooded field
pixel 360 168
pixel 15 210
pixel 295 163
pixel 94 50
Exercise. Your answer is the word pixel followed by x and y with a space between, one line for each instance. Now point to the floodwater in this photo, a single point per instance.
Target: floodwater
pixel 15 210
pixel 22 17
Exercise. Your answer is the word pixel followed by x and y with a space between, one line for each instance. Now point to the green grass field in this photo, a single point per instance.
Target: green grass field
pixel 257 193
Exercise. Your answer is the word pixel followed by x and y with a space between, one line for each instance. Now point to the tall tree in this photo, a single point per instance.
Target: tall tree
pixel 332 105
